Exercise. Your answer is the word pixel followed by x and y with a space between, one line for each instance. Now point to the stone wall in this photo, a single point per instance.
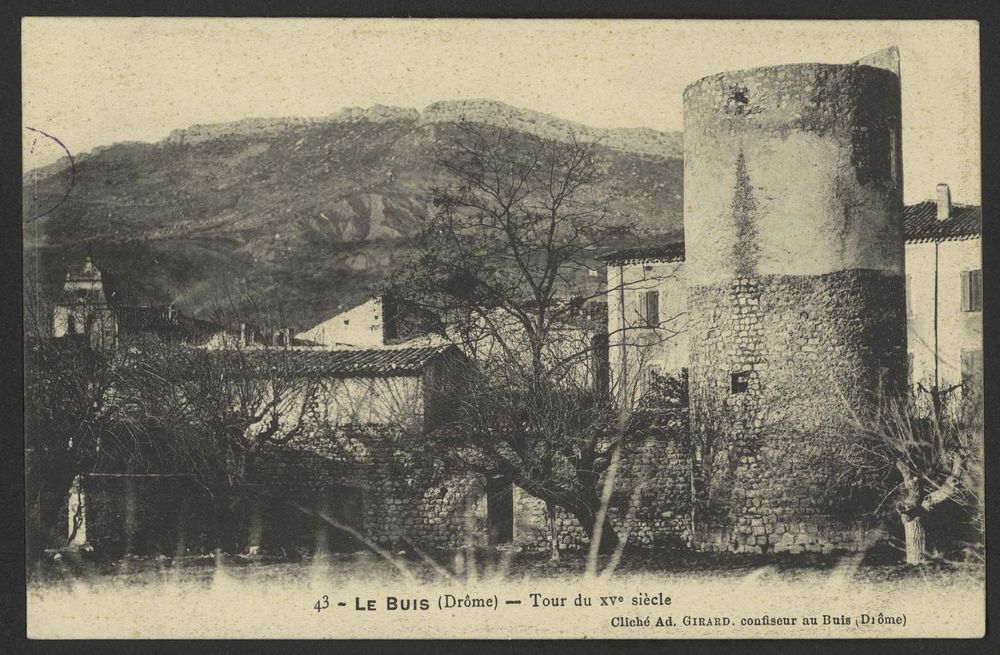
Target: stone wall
pixel 794 230
pixel 650 502
pixel 817 353
pixel 405 498
pixel 369 480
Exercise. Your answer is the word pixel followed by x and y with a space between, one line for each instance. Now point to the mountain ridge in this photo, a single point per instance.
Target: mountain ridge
pixel 311 211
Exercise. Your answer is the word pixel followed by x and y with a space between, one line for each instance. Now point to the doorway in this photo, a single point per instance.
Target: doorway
pixel 500 510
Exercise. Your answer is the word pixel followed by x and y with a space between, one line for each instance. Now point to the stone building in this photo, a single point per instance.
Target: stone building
pixel 794 249
pixel 398 493
pixel 943 261
pixel 367 470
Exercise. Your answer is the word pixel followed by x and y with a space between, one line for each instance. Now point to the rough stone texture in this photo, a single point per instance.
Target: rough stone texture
pixel 794 231
pixel 650 502
pixel 817 350
pixel 400 500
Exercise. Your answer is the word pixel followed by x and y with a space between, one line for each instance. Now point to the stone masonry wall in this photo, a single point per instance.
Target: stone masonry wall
pixel 402 500
pixel 406 500
pixel 817 350
pixel 650 502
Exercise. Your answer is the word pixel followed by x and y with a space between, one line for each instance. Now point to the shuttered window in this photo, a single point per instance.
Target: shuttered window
pixel 649 309
pixel 972 291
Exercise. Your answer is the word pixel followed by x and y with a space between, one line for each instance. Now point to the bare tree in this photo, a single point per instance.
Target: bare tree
pixel 931 454
pixel 83 414
pixel 214 408
pixel 501 270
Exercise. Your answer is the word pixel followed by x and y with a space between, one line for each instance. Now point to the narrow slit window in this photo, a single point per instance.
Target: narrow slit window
pixel 909 295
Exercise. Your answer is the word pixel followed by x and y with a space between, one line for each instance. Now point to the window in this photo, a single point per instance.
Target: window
pixel 741 382
pixel 972 291
pixel 972 368
pixel 71 324
pixel 909 369
pixel 649 308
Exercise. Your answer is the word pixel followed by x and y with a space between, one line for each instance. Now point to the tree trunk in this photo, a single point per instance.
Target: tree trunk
pixel 916 538
pixel 553 535
pixel 609 540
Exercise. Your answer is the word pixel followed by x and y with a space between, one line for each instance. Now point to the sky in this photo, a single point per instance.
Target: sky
pixel 96 81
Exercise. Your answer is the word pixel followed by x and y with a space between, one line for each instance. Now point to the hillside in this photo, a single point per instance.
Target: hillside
pixel 308 211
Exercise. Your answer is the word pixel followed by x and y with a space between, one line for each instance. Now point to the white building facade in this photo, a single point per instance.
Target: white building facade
pixel 647 317
pixel 944 294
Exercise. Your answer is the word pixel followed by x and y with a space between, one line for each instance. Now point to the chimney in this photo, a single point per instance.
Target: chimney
pixel 943 202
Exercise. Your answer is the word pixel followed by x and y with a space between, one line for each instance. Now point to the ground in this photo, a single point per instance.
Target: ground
pixel 878 565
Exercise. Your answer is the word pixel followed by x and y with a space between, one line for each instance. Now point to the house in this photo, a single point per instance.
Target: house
pixel 944 293
pixel 82 309
pixel 375 404
pixel 646 313
pixel 366 325
pixel 369 470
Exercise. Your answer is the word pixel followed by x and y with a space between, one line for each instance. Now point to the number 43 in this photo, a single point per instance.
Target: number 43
pixel 322 604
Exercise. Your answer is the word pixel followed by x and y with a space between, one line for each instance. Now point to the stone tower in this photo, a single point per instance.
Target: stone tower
pixel 794 230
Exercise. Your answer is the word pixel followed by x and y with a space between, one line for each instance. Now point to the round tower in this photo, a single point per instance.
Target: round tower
pixel 794 236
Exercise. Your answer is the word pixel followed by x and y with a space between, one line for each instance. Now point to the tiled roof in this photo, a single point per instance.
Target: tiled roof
pixel 921 223
pixel 361 362
pixel 664 252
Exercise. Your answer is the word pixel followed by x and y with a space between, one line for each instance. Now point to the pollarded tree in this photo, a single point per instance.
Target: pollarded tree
pixel 934 456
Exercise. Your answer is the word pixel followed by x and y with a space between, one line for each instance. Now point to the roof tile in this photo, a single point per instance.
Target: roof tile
pixel 921 222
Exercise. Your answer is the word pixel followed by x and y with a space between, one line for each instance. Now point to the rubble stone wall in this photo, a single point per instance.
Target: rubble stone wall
pixel 819 354
pixel 794 249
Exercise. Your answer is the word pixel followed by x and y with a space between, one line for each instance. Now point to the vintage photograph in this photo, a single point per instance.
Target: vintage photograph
pixel 477 328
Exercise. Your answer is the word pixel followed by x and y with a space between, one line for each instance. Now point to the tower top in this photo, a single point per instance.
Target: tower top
pixel 887 59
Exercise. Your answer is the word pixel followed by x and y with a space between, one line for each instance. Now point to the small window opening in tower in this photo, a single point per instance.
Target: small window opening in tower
pixel 738 100
pixel 740 382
